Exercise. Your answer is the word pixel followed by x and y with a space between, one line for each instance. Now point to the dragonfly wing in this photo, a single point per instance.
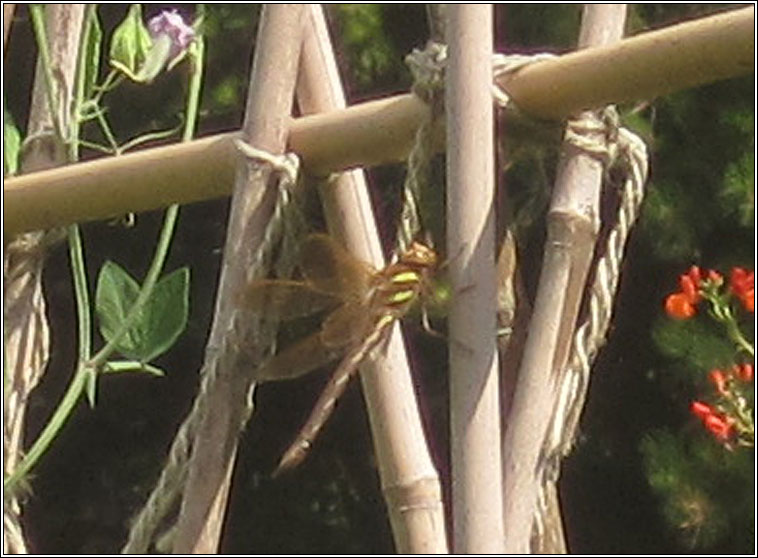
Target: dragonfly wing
pixel 332 269
pixel 296 360
pixel 287 299
pixel 348 324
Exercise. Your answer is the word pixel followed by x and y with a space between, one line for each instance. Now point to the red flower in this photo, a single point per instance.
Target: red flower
pixel 682 305
pixel 690 284
pixel 742 284
pixel 679 306
pixel 744 372
pixel 701 410
pixel 719 426
pixel 716 423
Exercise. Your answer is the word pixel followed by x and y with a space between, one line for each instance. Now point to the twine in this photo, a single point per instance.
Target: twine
pixel 280 236
pixel 427 67
pixel 625 149
pixel 616 146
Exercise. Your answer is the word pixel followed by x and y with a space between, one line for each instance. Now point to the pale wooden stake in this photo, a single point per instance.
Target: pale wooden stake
pixel 573 223
pixel 269 105
pixel 409 480
pixel 643 67
pixel 25 328
pixel 474 391
pixel 8 11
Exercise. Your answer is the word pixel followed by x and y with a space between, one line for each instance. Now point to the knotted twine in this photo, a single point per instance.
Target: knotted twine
pixel 277 249
pixel 618 147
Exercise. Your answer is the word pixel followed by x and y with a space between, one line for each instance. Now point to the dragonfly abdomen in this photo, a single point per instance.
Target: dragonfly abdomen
pixel 324 407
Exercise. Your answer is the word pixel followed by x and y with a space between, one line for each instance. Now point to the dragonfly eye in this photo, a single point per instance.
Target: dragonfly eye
pixel 420 255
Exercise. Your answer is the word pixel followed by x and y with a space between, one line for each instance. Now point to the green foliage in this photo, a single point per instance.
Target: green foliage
pixel 696 343
pixel 230 32
pixel 701 486
pixel 159 321
pixel 737 196
pixel 666 221
pixel 367 46
pixel 705 152
pixel 11 144
pixel 130 42
pixel 535 27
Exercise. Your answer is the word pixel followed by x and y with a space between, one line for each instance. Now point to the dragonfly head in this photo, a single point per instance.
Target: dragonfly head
pixel 419 255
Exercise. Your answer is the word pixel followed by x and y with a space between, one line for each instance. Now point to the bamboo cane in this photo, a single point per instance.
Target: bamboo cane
pixel 474 399
pixel 8 11
pixel 409 480
pixel 272 83
pixel 26 332
pixel 573 223
pixel 642 67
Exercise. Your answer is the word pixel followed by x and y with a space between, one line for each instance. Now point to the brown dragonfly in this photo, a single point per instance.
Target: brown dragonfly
pixel 366 303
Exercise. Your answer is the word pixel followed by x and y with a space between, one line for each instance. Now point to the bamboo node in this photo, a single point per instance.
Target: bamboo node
pixel 621 147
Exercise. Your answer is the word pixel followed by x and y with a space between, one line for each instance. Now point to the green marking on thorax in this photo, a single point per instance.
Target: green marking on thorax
pixel 406 277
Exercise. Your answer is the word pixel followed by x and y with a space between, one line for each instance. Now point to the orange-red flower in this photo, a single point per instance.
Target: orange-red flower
pixel 715 422
pixel 679 306
pixel 701 410
pixel 683 305
pixel 719 426
pixel 744 372
pixel 690 283
pixel 742 284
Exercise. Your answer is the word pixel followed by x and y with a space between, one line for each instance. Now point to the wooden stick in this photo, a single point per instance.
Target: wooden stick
pixel 573 223
pixel 271 92
pixel 642 67
pixel 474 390
pixel 26 332
pixel 8 11
pixel 409 480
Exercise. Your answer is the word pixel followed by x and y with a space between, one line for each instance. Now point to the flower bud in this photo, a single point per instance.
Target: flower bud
pixel 679 306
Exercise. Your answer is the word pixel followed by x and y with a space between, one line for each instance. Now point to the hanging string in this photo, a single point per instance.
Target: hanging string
pixel 628 152
pixel 427 67
pixel 277 250
pixel 619 147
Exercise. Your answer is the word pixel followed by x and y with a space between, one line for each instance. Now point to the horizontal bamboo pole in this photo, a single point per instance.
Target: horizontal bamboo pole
pixel 642 67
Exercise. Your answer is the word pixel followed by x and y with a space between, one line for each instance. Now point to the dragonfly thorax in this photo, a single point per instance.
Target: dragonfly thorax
pixel 398 285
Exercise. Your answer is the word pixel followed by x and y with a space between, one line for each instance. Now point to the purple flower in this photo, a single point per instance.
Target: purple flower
pixel 172 25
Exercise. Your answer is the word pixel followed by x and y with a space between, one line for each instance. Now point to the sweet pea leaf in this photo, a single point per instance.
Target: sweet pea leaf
pixel 158 323
pixel 167 312
pixel 115 294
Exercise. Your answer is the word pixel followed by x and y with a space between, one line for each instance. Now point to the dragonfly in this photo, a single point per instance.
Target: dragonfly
pixel 363 303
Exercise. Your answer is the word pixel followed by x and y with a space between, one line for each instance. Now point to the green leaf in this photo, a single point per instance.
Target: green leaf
pixel 130 42
pixel 92 59
pixel 159 322
pixel 116 293
pixel 11 144
pixel 168 311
